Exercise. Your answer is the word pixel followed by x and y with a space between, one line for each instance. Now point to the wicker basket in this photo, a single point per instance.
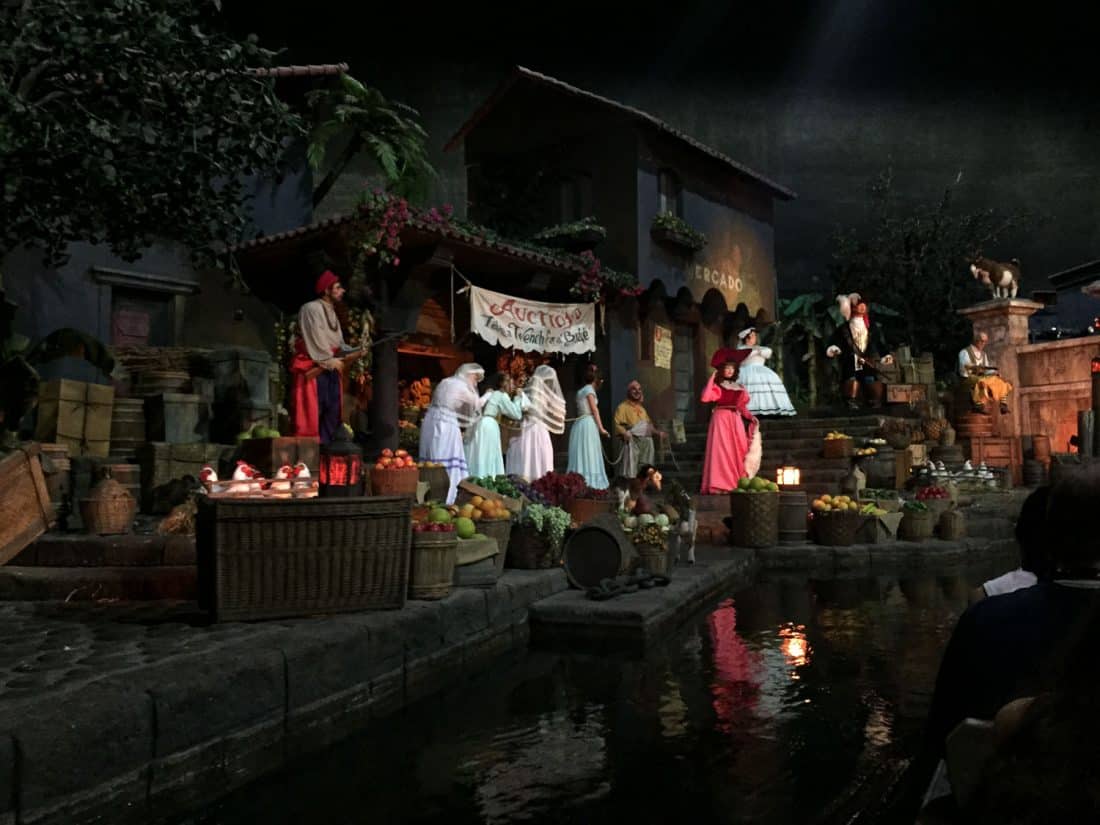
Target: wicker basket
pixel 527 550
pixel 439 483
pixel 432 565
pixel 260 559
pixel 755 519
pixel 837 447
pixel 583 510
pixel 837 529
pixel 387 482
pixel 500 530
pixel 654 558
pixel 917 525
pixel 109 509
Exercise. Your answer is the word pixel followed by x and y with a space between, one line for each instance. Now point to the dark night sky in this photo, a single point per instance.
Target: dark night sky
pixel 894 46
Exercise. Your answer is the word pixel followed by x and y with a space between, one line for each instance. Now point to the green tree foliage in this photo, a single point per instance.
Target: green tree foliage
pixel 916 261
pixel 125 121
pixel 361 118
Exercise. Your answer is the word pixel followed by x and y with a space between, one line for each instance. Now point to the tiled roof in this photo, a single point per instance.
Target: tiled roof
pixel 527 252
pixel 523 74
pixel 316 70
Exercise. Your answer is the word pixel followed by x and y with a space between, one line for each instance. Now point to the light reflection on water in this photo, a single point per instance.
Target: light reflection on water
pixel 763 709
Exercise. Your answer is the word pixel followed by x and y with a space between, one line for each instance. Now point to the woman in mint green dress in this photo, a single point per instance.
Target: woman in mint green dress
pixel 585 451
pixel 484 457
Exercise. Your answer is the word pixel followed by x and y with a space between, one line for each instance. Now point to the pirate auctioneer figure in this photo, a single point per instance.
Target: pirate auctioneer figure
pixel 981 381
pixel 859 358
pixel 320 358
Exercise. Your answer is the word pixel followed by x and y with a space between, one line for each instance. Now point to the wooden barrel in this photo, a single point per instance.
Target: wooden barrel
pixel 157 381
pixel 880 469
pixel 793 511
pixel 656 559
pixel 598 550
pixel 1040 448
pixel 432 565
pixel 974 425
pixel 127 427
pixel 1035 473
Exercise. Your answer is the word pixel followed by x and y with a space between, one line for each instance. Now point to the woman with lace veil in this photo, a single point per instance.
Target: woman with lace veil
pixel 455 407
pixel 531 454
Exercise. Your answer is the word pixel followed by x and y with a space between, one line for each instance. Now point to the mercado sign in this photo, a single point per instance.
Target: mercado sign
pixel 701 278
pixel 532 326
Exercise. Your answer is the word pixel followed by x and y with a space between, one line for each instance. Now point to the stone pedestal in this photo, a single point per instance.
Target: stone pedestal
pixel 1005 320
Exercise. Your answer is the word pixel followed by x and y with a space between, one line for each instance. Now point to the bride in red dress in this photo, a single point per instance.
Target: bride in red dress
pixel 732 426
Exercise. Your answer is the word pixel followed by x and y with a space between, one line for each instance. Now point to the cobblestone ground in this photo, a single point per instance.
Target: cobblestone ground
pixel 49 645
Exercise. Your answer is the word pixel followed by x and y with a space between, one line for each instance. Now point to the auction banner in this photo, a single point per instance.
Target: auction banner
pixel 532 326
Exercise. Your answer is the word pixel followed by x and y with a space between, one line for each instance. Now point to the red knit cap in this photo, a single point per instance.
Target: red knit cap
pixel 327 279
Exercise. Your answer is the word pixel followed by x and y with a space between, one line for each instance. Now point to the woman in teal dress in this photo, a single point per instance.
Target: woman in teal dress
pixel 484 457
pixel 585 451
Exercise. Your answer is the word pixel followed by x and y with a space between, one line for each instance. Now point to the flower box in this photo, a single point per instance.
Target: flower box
pixel 677 238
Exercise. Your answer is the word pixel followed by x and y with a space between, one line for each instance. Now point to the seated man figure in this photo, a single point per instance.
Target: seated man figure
pixel 981 382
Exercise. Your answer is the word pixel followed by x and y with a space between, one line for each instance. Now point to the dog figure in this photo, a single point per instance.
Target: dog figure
pixel 1002 279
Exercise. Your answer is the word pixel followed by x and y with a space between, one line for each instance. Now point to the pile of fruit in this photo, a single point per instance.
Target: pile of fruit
pixel 644 520
pixel 502 485
pixel 444 520
pixel 417 394
pixel 876 442
pixel 865 451
pixel 931 493
pixel 834 504
pixel 430 464
pixel 483 509
pixel 870 509
pixel 873 493
pixel 915 507
pixel 756 484
pixel 833 436
pixel 258 431
pixel 391 460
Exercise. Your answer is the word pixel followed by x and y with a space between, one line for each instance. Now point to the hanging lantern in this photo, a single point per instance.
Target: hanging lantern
pixel 341 473
pixel 788 475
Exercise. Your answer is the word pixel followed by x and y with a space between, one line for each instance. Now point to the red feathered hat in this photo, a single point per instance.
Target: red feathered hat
pixel 729 356
pixel 327 279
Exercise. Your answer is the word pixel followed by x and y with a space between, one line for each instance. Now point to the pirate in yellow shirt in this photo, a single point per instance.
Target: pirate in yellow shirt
pixel 634 427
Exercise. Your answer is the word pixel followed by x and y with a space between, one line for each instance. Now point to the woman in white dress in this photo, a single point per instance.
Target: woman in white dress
pixel 531 454
pixel 767 395
pixel 455 407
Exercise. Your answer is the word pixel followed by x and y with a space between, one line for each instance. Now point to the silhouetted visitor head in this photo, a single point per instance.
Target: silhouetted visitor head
pixel 1073 519
pixel 1032 534
pixel 650 476
pixel 592 376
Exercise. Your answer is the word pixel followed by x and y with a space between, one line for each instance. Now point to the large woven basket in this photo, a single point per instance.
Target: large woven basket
pixel 109 509
pixel 952 525
pixel 432 565
pixel 837 529
pixel 754 519
pixel 527 550
pixel 837 447
pixel 917 525
pixel 389 482
pixel 260 559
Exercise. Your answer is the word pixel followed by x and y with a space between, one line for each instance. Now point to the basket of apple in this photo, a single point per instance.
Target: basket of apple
pixel 394 474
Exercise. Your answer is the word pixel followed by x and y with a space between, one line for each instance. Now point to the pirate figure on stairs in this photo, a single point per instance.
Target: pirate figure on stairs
pixel 859 358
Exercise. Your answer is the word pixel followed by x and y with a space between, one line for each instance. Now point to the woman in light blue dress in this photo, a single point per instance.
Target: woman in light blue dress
pixel 585 451
pixel 484 457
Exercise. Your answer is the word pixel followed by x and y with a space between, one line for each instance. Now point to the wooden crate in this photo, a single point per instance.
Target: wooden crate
pixel 998 452
pixel 76 414
pixel 906 393
pixel 25 509
pixel 162 463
